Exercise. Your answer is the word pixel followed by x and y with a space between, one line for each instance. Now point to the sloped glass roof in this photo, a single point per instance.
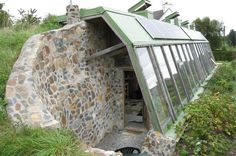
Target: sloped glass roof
pixel 162 30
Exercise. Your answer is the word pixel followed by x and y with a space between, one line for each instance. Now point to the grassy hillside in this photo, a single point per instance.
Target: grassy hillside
pixel 22 140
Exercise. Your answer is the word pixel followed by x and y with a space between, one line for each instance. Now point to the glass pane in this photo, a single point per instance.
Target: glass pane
pixel 182 67
pixel 201 59
pixel 166 76
pixel 190 54
pixel 196 62
pixel 208 57
pixel 192 75
pixel 205 58
pixel 208 51
pixel 147 68
pixel 152 83
pixel 192 63
pixel 174 73
pixel 177 58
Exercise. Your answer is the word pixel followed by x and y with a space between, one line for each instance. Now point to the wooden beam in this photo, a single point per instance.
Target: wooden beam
pixel 125 68
pixel 118 53
pixel 106 51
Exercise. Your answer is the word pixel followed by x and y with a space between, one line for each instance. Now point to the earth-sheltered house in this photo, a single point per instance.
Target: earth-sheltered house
pixel 111 70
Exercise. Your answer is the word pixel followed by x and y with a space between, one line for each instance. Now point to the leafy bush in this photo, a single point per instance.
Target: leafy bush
pixel 50 22
pixel 24 140
pixel 233 64
pixel 210 125
pixel 224 55
pixel 223 79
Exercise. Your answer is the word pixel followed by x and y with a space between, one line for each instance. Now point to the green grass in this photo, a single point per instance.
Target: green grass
pixel 22 140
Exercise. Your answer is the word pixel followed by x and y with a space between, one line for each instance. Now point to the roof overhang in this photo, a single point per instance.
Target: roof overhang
pixel 141 5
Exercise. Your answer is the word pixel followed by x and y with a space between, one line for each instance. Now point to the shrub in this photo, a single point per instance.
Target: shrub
pixel 50 22
pixel 210 125
pixel 223 79
pixel 224 55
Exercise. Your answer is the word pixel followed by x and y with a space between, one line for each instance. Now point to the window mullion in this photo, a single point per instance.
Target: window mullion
pixel 171 75
pixel 162 84
pixel 180 75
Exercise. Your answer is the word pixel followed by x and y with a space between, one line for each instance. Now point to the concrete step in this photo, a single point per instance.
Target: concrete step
pixel 135 127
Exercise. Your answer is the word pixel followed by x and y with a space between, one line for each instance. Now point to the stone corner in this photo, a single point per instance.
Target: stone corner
pixel 156 144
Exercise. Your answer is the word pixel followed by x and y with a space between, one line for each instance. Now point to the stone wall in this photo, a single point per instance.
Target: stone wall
pixel 24 104
pixel 85 96
pixel 156 144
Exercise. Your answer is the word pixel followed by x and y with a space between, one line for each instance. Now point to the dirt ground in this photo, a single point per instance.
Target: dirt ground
pixel 232 152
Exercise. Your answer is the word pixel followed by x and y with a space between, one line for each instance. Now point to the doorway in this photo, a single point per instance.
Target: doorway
pixel 136 114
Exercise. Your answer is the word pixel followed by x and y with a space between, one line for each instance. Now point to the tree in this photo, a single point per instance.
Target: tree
pixel 5 18
pixel 212 30
pixel 232 37
pixel 28 17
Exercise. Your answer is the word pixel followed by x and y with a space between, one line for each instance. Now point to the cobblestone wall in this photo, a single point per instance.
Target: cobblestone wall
pixel 86 96
pixel 156 144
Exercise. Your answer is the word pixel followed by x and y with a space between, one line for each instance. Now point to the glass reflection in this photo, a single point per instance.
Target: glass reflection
pixel 152 83
pixel 191 75
pixel 184 75
pixel 167 78
pixel 196 62
pixel 174 73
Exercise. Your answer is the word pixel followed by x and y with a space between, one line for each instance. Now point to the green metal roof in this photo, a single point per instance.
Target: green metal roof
pixel 129 29
pixel 145 13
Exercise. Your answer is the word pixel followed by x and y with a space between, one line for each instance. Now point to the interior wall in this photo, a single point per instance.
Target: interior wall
pixel 86 96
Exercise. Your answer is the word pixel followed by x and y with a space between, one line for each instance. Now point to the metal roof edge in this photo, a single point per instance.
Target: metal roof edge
pixel 166 42
pixel 112 24
pixel 138 5
pixel 84 13
pixel 91 12
pixel 173 15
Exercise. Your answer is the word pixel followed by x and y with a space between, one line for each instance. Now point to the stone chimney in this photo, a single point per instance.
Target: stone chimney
pixel 72 12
